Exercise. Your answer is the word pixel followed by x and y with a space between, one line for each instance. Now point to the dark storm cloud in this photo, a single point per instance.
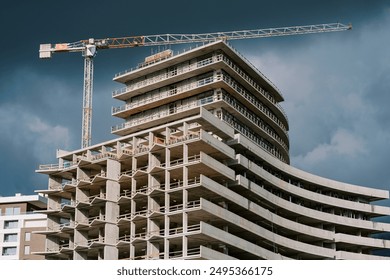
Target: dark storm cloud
pixel 336 90
pixel 40 101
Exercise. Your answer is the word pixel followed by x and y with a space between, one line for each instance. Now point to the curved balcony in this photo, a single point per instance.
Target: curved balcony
pixel 158 117
pixel 125 93
pixel 315 215
pixel 151 83
pixel 193 88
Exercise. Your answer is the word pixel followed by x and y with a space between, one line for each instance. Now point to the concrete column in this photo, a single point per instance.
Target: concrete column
pixel 185 153
pixel 153 250
pixel 166 197
pixel 54 183
pixel 52 243
pixel 111 230
pixel 185 129
pixel 151 139
pixel 132 233
pixel 167 157
pixel 184 245
pixel 185 226
pixel 101 255
pixel 80 255
pixel 80 238
pixel 166 240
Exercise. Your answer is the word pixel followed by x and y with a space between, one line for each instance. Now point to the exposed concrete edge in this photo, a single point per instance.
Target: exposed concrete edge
pixel 311 213
pixel 210 254
pixel 240 243
pixel 219 145
pixel 264 213
pixel 217 166
pixel 306 176
pixel 264 233
pixel 343 255
pixel 214 121
pixel 313 196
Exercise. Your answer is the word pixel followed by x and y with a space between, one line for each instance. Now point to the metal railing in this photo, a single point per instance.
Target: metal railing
pixel 181 161
pixel 163 113
pixel 103 156
pixel 189 136
pixel 162 187
pixel 163 209
pixel 56 166
pixel 160 232
pixel 216 97
pixel 61 226
pixel 254 119
pixel 255 102
pixel 231 121
pixel 165 75
pixel 191 67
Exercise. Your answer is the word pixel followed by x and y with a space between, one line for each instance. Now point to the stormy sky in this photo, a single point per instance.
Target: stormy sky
pixel 336 86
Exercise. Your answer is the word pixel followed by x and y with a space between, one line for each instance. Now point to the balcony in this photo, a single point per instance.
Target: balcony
pixel 159 117
pixel 157 234
pixel 164 78
pixel 91 222
pixel 257 123
pixel 224 61
pixel 53 168
pixel 165 97
pixel 245 131
pixel 163 116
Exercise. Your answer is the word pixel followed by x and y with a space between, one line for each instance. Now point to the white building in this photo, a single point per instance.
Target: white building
pixel 17 223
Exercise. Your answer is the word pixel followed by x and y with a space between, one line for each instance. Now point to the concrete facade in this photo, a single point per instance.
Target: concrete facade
pixel 18 221
pixel 200 170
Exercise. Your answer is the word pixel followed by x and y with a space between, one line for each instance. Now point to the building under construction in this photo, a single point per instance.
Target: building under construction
pixel 200 170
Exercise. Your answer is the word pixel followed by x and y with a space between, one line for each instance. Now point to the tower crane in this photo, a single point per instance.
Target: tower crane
pixel 89 47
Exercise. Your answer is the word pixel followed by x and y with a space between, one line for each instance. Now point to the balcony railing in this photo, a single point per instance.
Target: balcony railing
pixel 162 95
pixel 164 113
pixel 160 232
pixel 216 97
pixel 267 95
pixel 174 208
pixel 89 242
pixel 56 166
pixel 176 162
pixel 187 68
pixel 131 172
pixel 254 101
pixel 103 156
pixel 254 119
pixel 189 136
pixel 60 226
pixel 231 121
pixel 72 182
pixel 166 75
pixel 147 190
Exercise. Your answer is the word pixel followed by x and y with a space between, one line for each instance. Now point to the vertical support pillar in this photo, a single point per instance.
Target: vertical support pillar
pixel 111 230
pixel 81 216
pixel 153 228
pixel 185 229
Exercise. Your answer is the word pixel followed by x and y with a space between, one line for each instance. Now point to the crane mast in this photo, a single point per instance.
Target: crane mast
pixel 87 102
pixel 90 46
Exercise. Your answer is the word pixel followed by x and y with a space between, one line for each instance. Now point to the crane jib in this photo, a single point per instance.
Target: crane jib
pixel 88 49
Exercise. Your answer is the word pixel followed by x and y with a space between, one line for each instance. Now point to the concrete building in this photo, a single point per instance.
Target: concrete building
pixel 18 221
pixel 200 170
